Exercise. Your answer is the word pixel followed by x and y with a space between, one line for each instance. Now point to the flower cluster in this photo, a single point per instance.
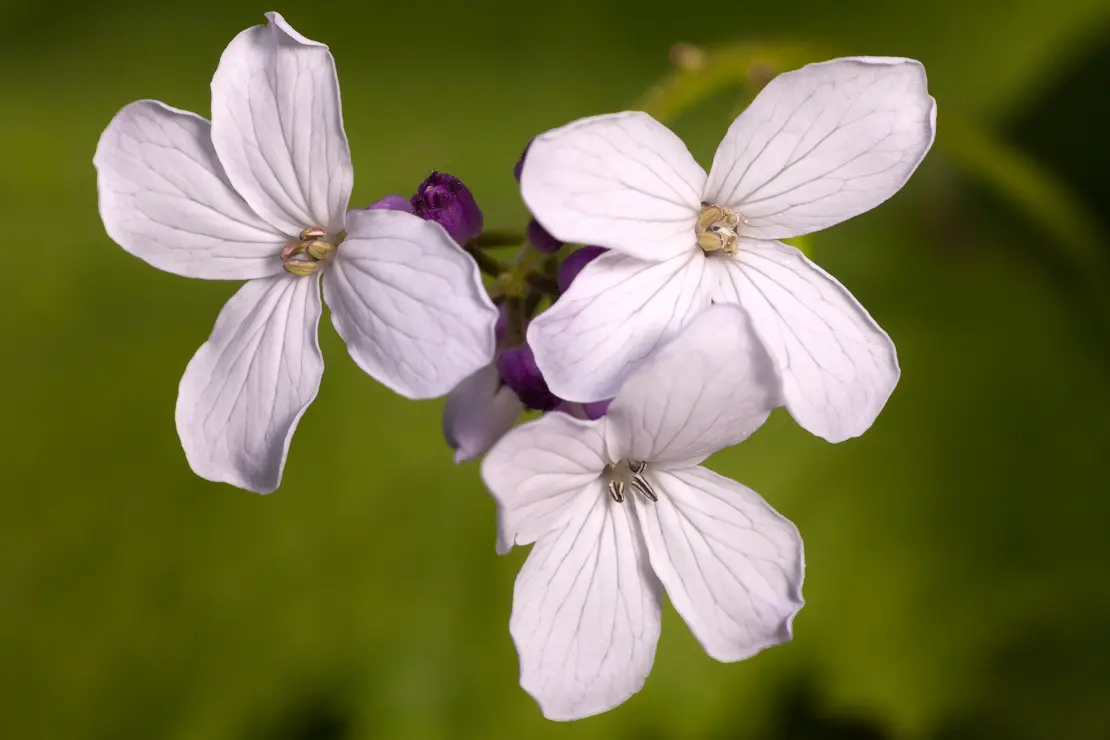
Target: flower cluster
pixel 652 317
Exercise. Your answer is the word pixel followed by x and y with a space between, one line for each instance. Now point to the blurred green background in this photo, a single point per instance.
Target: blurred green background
pixel 957 555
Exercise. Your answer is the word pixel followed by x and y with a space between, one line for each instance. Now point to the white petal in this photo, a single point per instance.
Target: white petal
pixel 617 311
pixel 479 411
pixel 837 366
pixel 586 613
pixel 732 566
pixel 824 143
pixel 165 198
pixel 246 387
pixel 409 303
pixel 709 388
pixel 539 471
pixel 622 181
pixel 278 127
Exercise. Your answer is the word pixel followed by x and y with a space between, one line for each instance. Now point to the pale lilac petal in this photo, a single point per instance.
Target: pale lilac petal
pixel 622 181
pixel 731 565
pixel 164 198
pixel 586 613
pixel 409 303
pixel 246 387
pixel 838 368
pixel 822 144
pixel 616 312
pixel 709 388
pixel 540 471
pixel 277 126
pixel 479 411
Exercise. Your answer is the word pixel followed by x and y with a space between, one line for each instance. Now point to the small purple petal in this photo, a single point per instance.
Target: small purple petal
pixel 479 411
pixel 519 371
pixel 596 409
pixel 574 263
pixel 444 199
pixel 391 203
pixel 520 162
pixel 591 411
pixel 541 239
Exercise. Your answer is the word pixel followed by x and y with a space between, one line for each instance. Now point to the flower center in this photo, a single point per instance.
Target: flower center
pixel 716 229
pixel 303 257
pixel 628 475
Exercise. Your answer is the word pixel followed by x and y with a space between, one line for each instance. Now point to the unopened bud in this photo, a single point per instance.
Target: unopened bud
pixel 574 263
pixel 542 239
pixel 519 371
pixel 444 199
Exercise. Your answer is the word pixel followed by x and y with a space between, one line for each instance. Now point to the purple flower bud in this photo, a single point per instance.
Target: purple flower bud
pixel 574 263
pixel 541 239
pixel 444 199
pixel 520 162
pixel 519 371
pixel 391 203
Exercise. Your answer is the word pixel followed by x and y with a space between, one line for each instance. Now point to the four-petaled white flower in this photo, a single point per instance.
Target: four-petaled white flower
pixel 817 146
pixel 261 194
pixel 621 509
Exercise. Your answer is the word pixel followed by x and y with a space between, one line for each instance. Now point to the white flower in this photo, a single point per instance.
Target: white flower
pixel 817 146
pixel 261 194
pixel 621 509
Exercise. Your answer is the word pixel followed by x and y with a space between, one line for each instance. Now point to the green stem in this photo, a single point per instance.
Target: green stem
pixel 514 316
pixel 542 283
pixel 488 239
pixel 486 264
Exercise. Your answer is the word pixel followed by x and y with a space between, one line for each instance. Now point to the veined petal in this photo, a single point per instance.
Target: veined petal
pixel 246 387
pixel 616 312
pixel 586 612
pixel 165 198
pixel 409 303
pixel 540 472
pixel 732 566
pixel 479 411
pixel 822 144
pixel 622 181
pixel 838 368
pixel 277 126
pixel 709 388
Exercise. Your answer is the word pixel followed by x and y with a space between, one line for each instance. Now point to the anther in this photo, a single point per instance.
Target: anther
pixel 300 268
pixel 616 490
pixel 313 233
pixel 291 251
pixel 716 229
pixel 320 250
pixel 640 483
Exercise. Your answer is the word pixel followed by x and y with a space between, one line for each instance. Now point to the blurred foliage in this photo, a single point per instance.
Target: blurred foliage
pixel 956 554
